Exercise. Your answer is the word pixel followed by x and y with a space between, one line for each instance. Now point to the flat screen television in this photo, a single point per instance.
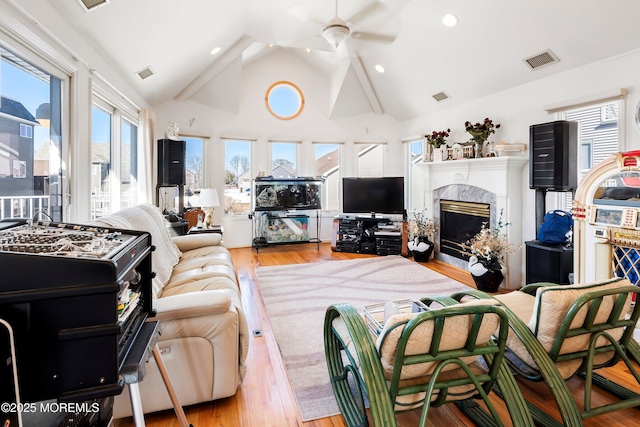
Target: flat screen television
pixel 383 195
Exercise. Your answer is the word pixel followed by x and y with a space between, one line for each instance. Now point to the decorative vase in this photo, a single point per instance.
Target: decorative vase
pixel 421 248
pixel 479 146
pixel 487 275
pixel 428 154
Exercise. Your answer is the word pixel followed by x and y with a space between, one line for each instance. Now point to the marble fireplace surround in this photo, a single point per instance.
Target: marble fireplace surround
pixel 494 180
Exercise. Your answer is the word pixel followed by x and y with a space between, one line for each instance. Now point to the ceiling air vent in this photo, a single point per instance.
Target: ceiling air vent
pixel 90 5
pixel 441 96
pixel 542 59
pixel 145 72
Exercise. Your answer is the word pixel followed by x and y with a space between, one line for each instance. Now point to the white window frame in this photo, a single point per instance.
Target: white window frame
pixel 26 131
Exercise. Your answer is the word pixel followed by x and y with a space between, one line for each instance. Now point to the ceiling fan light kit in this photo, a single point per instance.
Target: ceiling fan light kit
pixel 336 33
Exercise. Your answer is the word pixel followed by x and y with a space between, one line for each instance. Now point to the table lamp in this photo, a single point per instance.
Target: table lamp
pixel 208 201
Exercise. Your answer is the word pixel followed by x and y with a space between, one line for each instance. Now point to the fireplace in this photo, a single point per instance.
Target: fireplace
pixel 496 183
pixel 459 222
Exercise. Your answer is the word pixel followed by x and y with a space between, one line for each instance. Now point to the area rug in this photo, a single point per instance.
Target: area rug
pixel 297 296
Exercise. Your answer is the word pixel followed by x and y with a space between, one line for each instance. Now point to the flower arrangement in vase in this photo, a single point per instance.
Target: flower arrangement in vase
pixel 480 133
pixel 488 249
pixel 437 140
pixel 420 229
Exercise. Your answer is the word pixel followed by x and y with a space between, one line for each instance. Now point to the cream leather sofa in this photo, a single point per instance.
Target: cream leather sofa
pixel 204 337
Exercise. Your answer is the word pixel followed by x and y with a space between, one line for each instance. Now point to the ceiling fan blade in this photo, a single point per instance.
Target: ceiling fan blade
pixel 368 12
pixel 314 43
pixel 373 37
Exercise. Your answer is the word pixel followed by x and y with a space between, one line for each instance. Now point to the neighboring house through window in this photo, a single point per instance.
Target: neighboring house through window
pixel 284 160
pixel 597 137
pixel 327 165
pixel 31 145
pixel 370 163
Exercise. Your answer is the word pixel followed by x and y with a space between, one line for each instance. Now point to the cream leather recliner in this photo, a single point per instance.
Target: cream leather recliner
pixel 204 335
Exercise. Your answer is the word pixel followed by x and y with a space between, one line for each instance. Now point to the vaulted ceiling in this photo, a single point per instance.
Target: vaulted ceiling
pixel 483 54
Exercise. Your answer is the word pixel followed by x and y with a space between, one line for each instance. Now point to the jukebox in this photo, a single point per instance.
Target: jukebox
pixel 607 221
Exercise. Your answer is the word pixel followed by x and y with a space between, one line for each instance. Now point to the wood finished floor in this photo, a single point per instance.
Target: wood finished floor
pixel 265 397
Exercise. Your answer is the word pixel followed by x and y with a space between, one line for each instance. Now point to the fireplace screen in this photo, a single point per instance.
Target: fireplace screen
pixel 459 222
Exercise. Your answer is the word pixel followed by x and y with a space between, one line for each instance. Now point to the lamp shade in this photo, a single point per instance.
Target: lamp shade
pixel 208 198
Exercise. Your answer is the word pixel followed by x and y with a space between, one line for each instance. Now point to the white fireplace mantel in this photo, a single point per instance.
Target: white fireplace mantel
pixel 501 176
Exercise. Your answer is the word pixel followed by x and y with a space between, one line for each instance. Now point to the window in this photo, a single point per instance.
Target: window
pixel 31 145
pixel 101 124
pixel 283 160
pixel 26 131
pixel 128 164
pixel 416 185
pixel 284 100
pixel 114 157
pixel 327 165
pixel 194 170
pixel 237 180
pixel 370 160
pixel 586 161
pixel 597 141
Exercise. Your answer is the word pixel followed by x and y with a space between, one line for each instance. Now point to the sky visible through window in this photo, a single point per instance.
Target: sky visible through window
pixel 284 100
pixel 27 89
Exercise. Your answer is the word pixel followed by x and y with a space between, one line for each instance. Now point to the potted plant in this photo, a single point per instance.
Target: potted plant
pixel 480 133
pixel 488 249
pixel 421 230
pixel 437 139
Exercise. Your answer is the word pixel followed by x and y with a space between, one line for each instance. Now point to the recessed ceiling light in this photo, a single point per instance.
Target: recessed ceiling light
pixel 307 50
pixel 450 20
pixel 379 68
pixel 215 50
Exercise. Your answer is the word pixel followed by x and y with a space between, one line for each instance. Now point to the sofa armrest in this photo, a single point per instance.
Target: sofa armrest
pixel 195 241
pixel 191 304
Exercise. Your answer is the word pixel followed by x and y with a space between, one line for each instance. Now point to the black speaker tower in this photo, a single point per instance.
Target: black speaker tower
pixel 553 158
pixel 171 162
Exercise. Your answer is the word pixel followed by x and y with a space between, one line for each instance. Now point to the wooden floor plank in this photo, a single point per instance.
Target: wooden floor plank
pixel 265 397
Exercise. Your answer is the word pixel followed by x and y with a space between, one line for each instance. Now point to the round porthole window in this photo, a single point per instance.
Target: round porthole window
pixel 284 100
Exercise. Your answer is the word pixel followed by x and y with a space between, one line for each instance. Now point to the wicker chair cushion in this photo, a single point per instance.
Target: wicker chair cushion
pixel 456 333
pixel 461 325
pixel 549 308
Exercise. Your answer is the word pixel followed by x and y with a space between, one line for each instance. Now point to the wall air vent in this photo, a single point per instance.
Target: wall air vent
pixel 542 59
pixel 145 72
pixel 90 5
pixel 441 96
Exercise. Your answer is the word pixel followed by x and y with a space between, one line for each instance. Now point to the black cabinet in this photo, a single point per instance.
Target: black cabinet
pixel 368 236
pixel 553 156
pixel 548 263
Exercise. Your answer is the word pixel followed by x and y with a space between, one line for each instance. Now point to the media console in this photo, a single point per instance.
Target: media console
pixel 369 235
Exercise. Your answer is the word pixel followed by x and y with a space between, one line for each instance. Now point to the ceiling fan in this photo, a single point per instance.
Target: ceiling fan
pixel 339 32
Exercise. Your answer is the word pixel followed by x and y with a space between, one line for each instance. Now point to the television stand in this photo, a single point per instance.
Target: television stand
pixel 369 235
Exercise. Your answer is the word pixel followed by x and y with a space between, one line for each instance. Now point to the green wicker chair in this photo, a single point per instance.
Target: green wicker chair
pixel 558 332
pixel 421 360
